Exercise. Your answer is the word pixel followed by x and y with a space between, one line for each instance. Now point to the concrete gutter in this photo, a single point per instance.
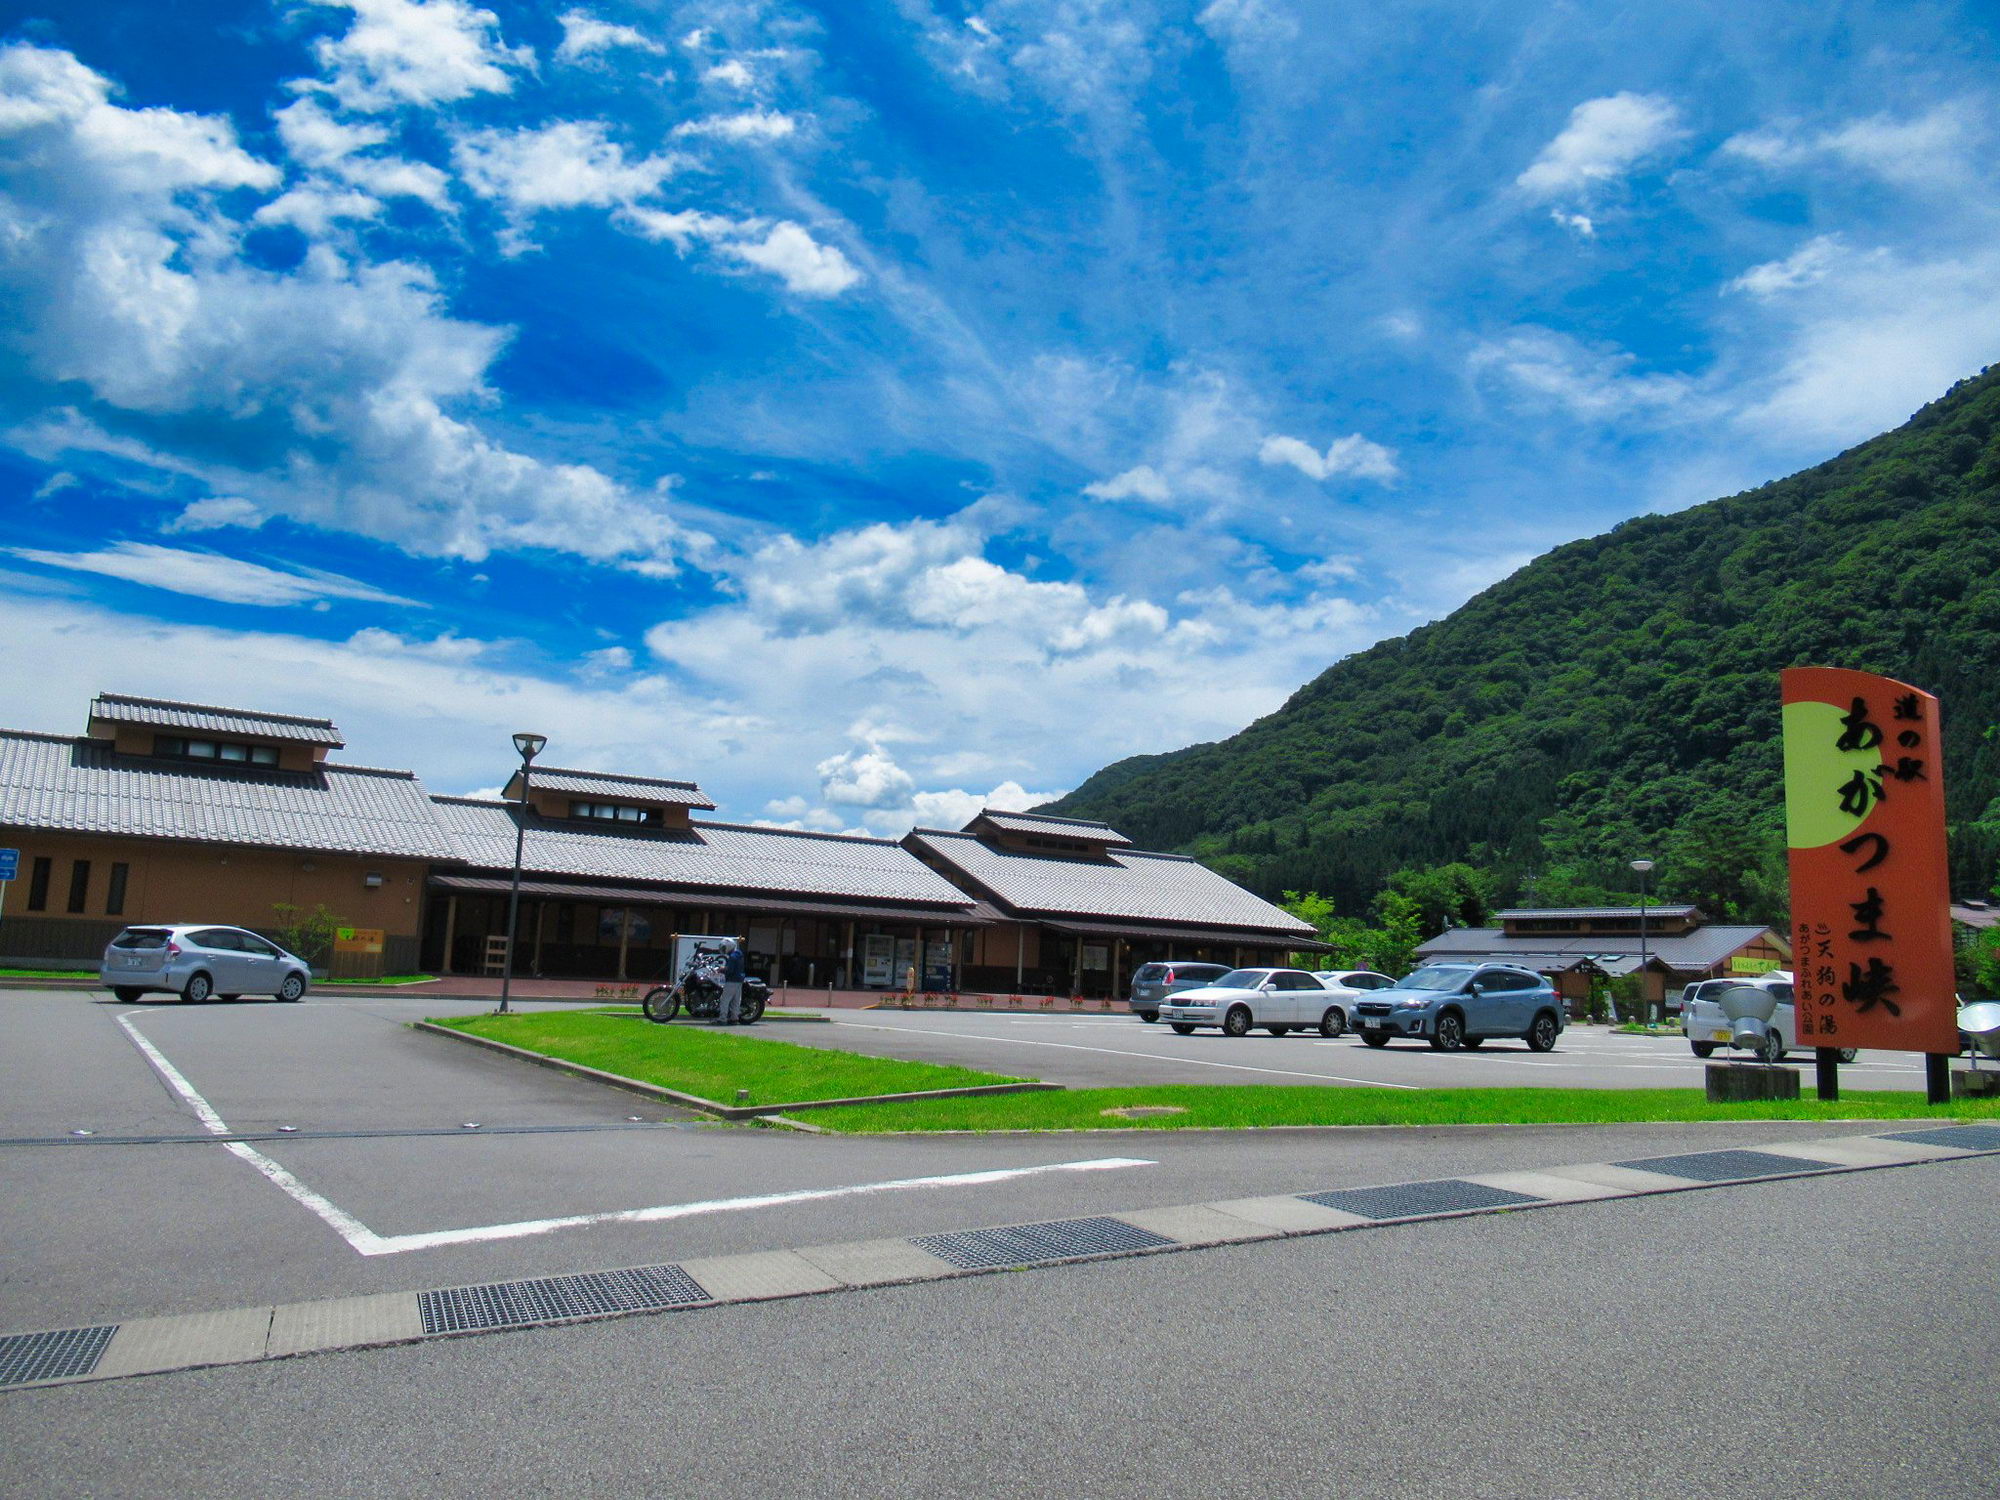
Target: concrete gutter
pixel 772 1112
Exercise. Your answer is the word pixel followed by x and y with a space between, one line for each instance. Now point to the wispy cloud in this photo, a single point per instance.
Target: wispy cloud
pixel 210 575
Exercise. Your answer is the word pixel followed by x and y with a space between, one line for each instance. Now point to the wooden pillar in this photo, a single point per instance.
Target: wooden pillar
pixel 1076 968
pixel 450 932
pixel 624 937
pixel 541 912
pixel 1117 953
pixel 1020 954
pixel 847 961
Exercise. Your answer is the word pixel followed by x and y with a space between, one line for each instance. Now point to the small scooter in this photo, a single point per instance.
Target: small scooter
pixel 699 992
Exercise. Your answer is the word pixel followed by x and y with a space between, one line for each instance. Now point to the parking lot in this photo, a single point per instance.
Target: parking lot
pixel 1120 1051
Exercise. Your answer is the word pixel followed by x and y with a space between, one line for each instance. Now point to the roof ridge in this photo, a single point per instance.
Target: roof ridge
pixel 618 776
pixel 797 833
pixel 42 735
pixel 1010 812
pixel 340 765
pixel 215 708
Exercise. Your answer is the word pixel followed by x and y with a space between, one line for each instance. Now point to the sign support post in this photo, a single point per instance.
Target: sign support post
pixel 1826 1071
pixel 10 868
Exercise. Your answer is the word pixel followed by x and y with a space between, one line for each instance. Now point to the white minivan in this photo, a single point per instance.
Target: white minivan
pixel 1706 1027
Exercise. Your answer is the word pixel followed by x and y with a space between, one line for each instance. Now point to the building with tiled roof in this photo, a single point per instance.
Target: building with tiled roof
pixel 1668 945
pixel 169 811
pixel 1082 908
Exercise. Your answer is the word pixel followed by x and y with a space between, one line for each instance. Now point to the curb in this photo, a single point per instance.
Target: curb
pixel 773 1112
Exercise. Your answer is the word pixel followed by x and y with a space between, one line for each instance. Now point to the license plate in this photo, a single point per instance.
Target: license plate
pixel 1720 1036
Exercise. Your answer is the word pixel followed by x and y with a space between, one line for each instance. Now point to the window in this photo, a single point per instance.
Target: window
pixel 114 897
pixel 38 883
pixel 217 937
pixel 611 812
pixel 180 747
pixel 79 884
pixel 251 943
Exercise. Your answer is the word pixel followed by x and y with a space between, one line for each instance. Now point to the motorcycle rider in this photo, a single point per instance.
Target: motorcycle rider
pixel 729 1009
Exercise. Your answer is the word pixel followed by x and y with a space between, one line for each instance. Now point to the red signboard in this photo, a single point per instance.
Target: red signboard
pixel 1871 899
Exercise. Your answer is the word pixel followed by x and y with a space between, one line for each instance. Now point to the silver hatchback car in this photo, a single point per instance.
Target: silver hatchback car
pixel 198 963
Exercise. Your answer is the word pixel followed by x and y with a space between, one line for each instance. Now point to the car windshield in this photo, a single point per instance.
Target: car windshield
pixel 1150 971
pixel 1435 977
pixel 1242 979
pixel 141 937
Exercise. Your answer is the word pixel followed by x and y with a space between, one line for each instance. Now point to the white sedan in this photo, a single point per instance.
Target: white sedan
pixel 1350 985
pixel 1279 1000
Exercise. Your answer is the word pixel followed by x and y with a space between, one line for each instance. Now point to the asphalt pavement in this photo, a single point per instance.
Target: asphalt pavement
pixel 1817 1337
pixel 1115 1051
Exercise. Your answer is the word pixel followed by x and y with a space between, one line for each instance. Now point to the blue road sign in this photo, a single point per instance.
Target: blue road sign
pixel 10 864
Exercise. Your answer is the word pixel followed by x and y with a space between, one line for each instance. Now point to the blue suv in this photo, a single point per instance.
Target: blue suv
pixel 1461 1005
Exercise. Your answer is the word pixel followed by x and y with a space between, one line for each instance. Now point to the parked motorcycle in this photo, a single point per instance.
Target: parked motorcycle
pixel 698 992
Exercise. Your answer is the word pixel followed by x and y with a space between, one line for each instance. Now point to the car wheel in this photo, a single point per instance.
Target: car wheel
pixel 1333 1023
pixel 229 999
pixel 199 989
pixel 1375 1038
pixel 1237 1021
pixel 1773 1049
pixel 1542 1033
pixel 123 992
pixel 1848 1054
pixel 1702 1049
pixel 1181 1028
pixel 1279 1030
pixel 1473 1043
pixel 1449 1033
pixel 293 988
pixel 661 1004
pixel 1150 1017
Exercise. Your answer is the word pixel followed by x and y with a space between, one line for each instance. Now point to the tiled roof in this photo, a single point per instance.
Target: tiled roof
pixel 81 786
pixel 1047 826
pixel 724 856
pixel 565 890
pixel 1128 884
pixel 1592 913
pixel 1703 948
pixel 202 718
pixel 608 784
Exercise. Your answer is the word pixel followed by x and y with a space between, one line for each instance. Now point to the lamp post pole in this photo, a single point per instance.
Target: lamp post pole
pixel 1645 868
pixel 530 745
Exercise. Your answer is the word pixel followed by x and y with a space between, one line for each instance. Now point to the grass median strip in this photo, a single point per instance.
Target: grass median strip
pixel 1227 1107
pixel 712 1062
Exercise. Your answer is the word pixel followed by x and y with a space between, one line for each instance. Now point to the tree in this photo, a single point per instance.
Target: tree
pixel 309 934
pixel 1453 895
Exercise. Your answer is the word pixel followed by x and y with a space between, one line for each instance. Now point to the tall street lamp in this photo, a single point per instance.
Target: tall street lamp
pixel 1645 868
pixel 530 745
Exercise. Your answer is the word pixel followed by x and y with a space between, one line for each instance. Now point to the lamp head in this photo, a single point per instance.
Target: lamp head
pixel 530 745
pixel 1643 866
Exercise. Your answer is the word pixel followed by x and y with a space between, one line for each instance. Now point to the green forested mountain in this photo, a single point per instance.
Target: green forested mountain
pixel 1619 696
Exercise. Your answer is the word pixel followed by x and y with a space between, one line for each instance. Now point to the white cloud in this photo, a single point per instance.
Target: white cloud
pixel 416 52
pixel 785 249
pixel 568 164
pixel 1604 139
pixel 1581 225
pixel 1141 483
pixel 749 125
pixel 314 210
pixel 585 35
pixel 610 661
pixel 865 777
pixel 1946 149
pixel 1353 454
pixel 344 150
pixel 445 647
pixel 805 265
pixel 326 393
pixel 1812 262
pixel 953 809
pixel 1543 367
pixel 731 74
pixel 55 484
pixel 209 575
pixel 215 513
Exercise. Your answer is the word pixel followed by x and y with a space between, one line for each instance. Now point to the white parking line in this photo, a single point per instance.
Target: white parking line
pixel 1014 1041
pixel 366 1241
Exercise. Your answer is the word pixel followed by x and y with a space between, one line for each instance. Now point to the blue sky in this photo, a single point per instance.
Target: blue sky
pixel 880 409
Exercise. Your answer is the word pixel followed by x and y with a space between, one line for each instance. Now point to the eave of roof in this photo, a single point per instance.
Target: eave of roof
pixel 167 713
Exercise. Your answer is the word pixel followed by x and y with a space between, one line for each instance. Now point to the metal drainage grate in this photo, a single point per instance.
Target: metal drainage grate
pixel 1724 1166
pixel 1410 1199
pixel 1965 1137
pixel 506 1304
pixel 1021 1243
pixel 52 1356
